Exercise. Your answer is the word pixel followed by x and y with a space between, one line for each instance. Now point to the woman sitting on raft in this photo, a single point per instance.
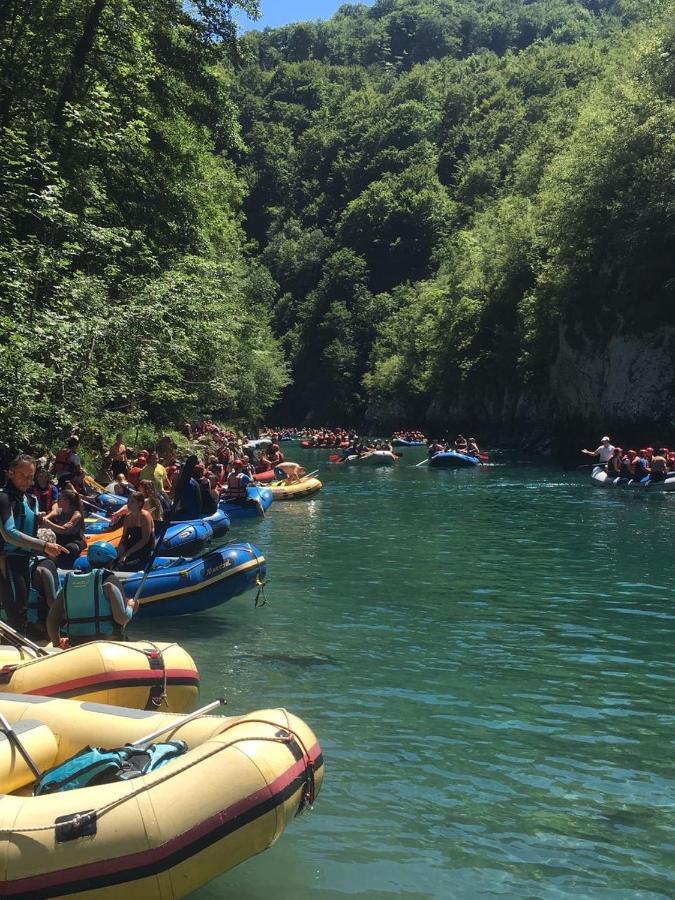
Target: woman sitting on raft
pixel 67 522
pixel 138 539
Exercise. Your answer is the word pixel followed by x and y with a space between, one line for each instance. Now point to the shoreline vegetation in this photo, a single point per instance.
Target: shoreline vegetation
pixel 439 213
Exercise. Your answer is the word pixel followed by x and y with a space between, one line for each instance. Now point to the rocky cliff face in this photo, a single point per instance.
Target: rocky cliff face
pixel 627 378
pixel 623 385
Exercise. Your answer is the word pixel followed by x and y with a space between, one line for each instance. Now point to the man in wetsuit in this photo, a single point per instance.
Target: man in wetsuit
pixel 18 540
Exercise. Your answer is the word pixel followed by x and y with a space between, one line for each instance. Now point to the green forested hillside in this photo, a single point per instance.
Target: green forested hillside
pixel 420 211
pixel 126 292
pixel 444 190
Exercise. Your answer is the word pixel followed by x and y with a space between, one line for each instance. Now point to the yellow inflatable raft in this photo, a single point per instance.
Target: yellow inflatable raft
pixel 142 674
pixel 159 836
pixel 295 490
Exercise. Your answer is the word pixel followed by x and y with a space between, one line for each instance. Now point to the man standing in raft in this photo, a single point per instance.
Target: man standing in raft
pixel 604 452
pixel 19 543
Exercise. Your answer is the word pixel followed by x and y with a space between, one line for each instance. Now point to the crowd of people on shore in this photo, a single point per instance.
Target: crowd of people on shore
pixel 44 506
pixel 645 465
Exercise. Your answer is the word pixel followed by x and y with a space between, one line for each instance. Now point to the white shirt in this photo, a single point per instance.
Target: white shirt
pixel 604 454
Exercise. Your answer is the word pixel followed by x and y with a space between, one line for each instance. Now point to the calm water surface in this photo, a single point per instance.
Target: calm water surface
pixel 487 659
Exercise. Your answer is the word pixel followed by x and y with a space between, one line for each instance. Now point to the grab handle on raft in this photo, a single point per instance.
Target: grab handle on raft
pixel 197 714
pixel 14 738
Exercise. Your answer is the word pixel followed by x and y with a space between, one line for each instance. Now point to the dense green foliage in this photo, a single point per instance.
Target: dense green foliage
pixel 440 186
pixel 125 290
pixel 400 213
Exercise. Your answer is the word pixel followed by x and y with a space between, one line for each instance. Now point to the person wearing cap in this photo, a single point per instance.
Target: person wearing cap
pixel 134 473
pixel 91 604
pixel 604 452
pixel 641 468
pixel 614 464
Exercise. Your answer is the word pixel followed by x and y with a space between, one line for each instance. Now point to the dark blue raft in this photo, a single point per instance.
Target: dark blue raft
pixel 257 503
pixel 450 459
pixel 179 586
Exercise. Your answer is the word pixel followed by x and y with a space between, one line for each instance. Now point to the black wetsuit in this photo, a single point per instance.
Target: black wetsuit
pixel 18 545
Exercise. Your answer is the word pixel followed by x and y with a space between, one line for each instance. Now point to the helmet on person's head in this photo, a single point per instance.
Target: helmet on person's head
pixel 82 565
pixel 650 450
pixel 602 440
pixel 102 553
pixel 618 451
pixel 632 453
pixel 238 463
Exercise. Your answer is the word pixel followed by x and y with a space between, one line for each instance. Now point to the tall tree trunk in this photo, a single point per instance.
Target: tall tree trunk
pixel 79 59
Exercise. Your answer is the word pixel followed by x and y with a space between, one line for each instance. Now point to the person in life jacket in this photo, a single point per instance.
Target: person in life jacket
pixel 44 491
pixel 67 520
pixel 67 458
pixel 91 604
pixel 19 544
pixel 237 483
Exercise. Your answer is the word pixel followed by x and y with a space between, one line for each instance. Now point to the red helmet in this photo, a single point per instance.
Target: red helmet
pixel 142 457
pixel 618 451
pixel 238 463
pixel 632 453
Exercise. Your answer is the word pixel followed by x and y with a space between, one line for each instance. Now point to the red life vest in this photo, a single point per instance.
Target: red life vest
pixel 62 462
pixel 236 488
pixel 45 498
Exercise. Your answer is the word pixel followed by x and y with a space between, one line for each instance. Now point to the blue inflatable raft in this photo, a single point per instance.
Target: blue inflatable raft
pixel 450 459
pixel 178 586
pixel 400 442
pixel 259 501
pixel 187 538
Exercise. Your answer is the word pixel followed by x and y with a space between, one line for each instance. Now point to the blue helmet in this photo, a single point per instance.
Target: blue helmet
pixel 101 554
pixel 82 565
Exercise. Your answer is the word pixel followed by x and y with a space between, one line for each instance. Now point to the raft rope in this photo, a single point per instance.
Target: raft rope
pixel 284 735
pixel 259 580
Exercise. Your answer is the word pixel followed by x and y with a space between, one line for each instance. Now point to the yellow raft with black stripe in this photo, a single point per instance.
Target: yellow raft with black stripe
pixel 164 834
pixel 139 674
pixel 295 490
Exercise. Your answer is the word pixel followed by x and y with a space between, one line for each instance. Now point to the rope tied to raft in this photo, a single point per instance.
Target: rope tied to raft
pixel 283 735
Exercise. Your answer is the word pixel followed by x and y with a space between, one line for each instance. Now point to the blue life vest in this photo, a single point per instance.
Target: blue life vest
pixel 87 610
pixel 24 512
pixel 94 765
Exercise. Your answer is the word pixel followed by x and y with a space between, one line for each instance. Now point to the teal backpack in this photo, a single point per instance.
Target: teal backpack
pixel 93 766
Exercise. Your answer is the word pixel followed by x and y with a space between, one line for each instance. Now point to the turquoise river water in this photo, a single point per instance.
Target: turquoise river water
pixel 487 659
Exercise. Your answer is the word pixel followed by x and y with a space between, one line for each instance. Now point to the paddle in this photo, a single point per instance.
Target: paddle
pixel 197 714
pixel 20 640
pixel 13 738
pixel 424 462
pixel 92 505
pixel 178 492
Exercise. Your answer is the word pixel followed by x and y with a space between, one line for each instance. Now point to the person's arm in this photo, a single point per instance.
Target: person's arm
pixel 122 609
pixel 591 452
pixel 70 525
pixel 11 534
